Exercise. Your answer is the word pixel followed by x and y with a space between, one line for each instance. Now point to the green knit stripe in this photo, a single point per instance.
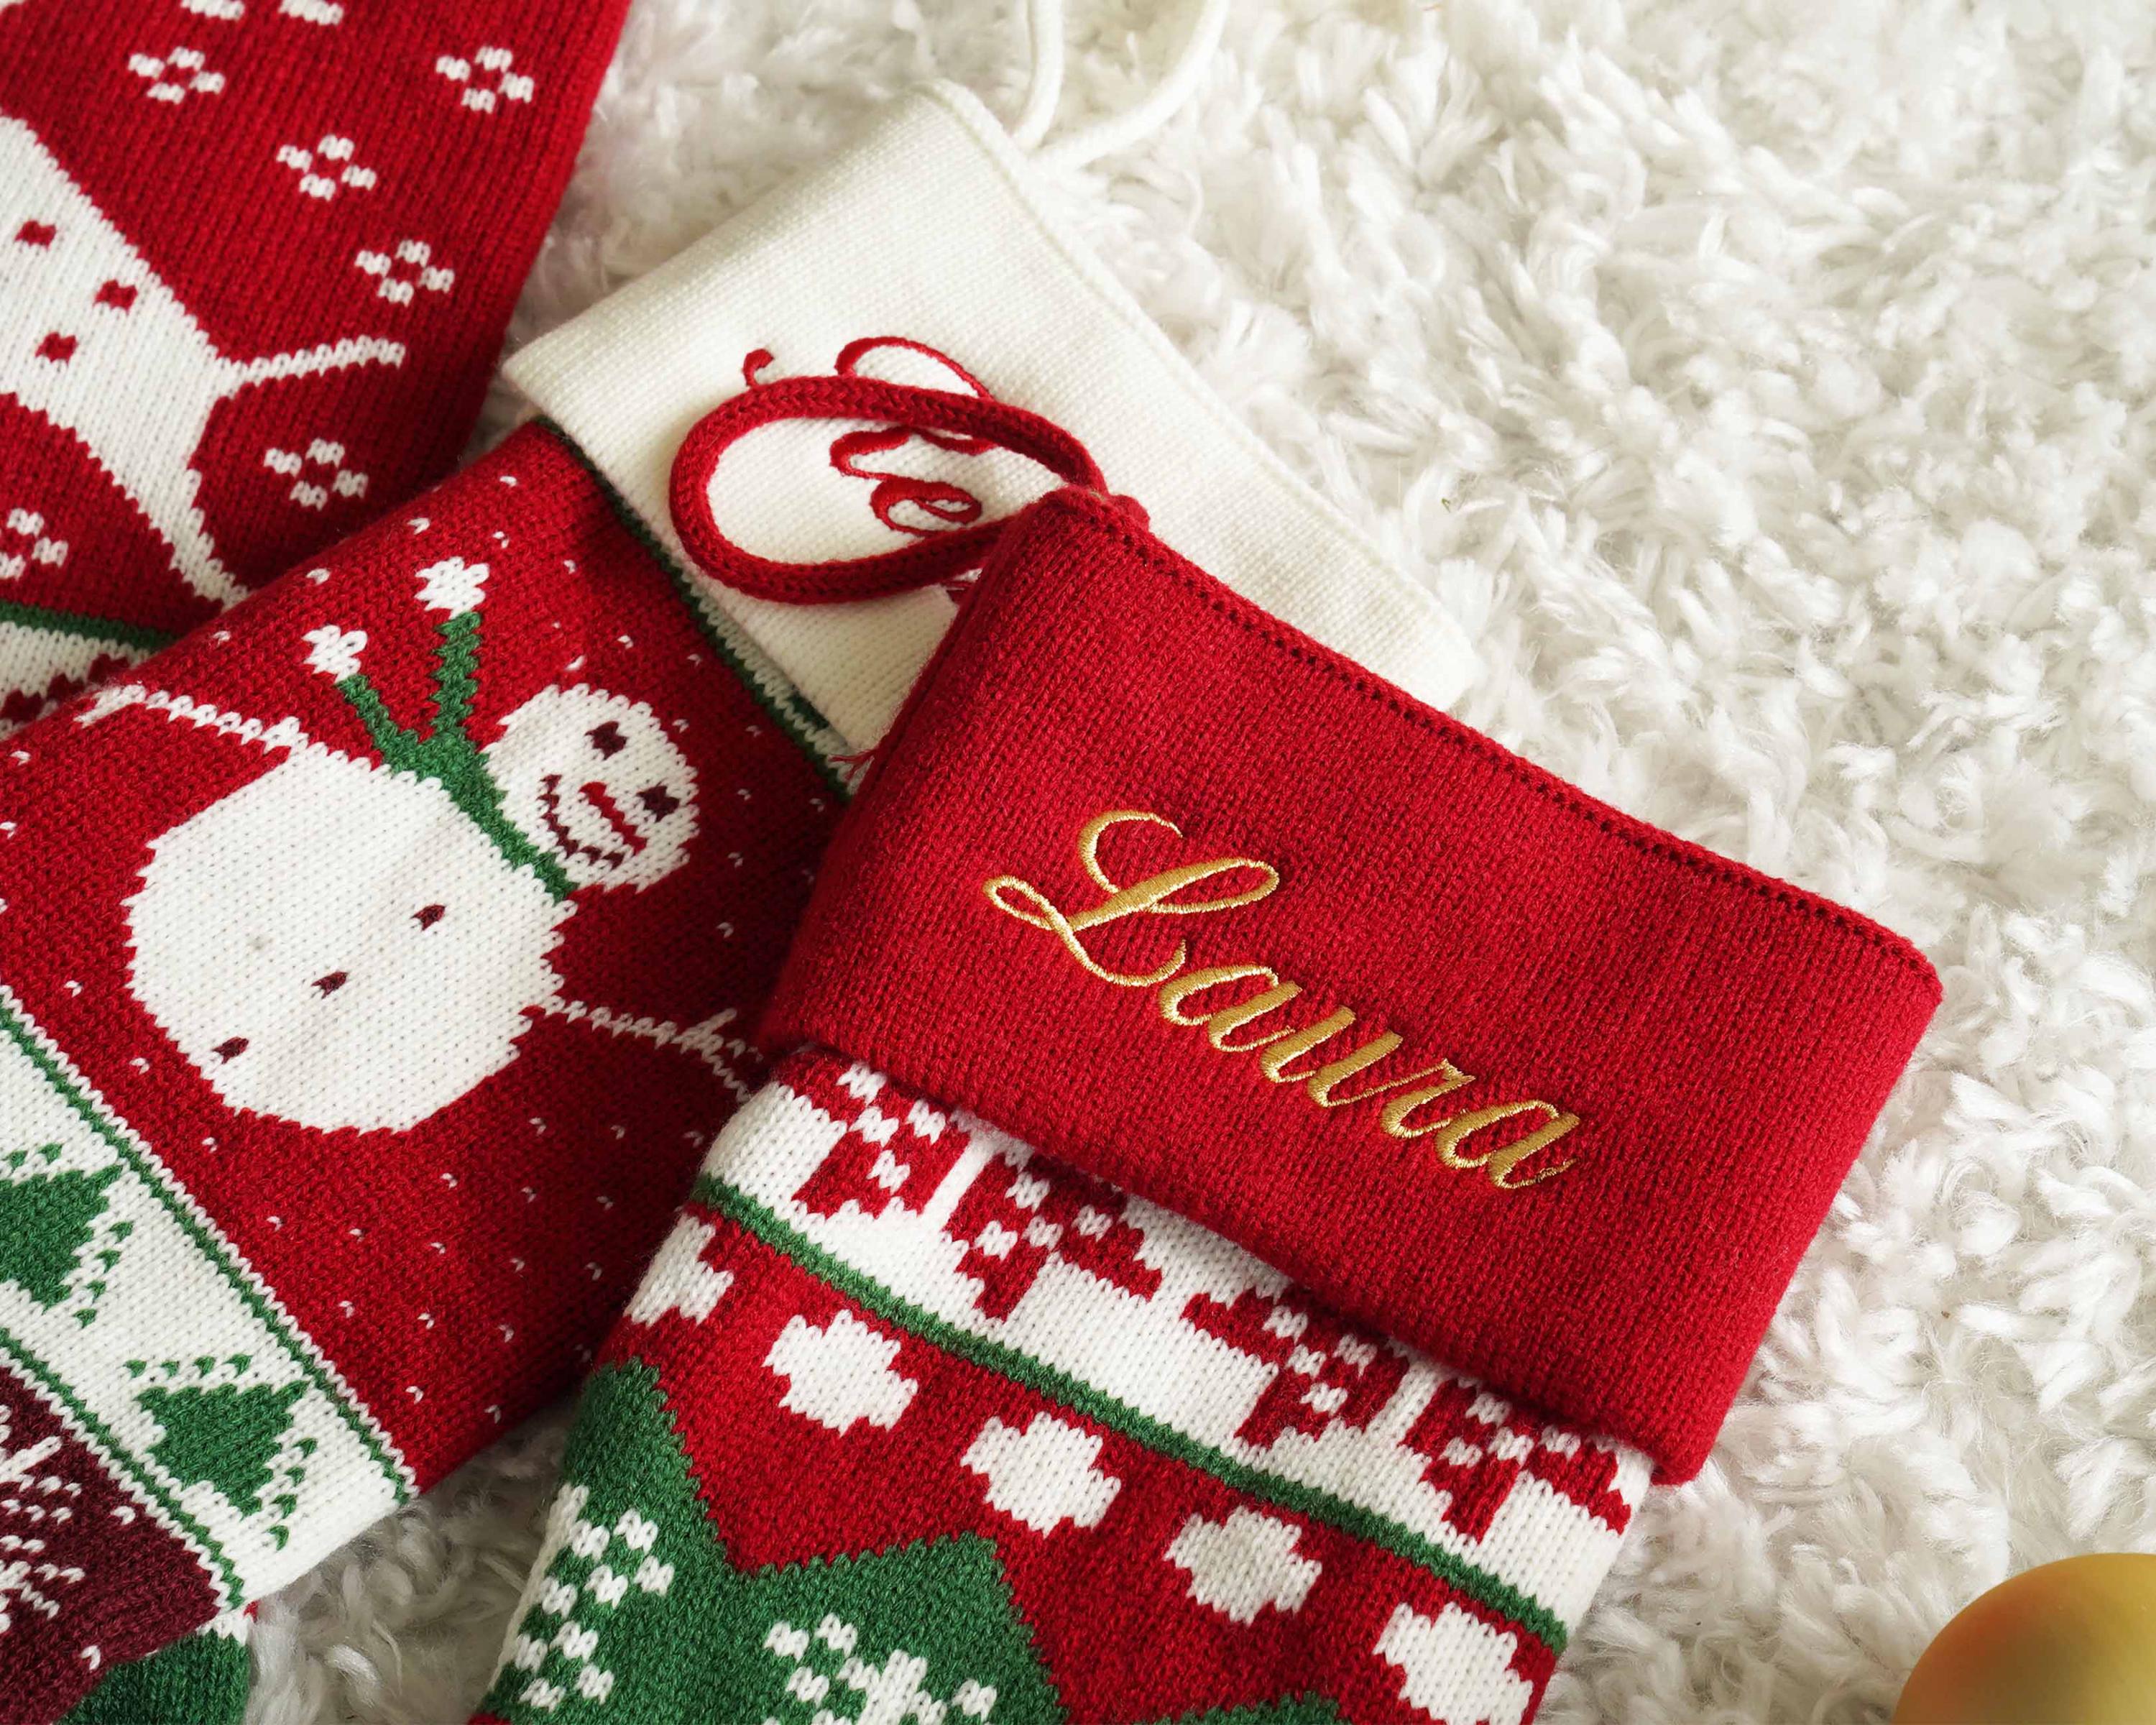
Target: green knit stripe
pixel 765 683
pixel 18 1028
pixel 82 627
pixel 1081 1398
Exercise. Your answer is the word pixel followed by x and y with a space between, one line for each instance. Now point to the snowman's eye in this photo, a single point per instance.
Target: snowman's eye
pixel 426 915
pixel 229 1047
pixel 656 800
pixel 606 738
pixel 330 984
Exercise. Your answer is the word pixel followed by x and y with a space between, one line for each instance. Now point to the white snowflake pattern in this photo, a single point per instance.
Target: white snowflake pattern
pixel 333 651
pixel 402 273
pixel 327 168
pixel 1455 1666
pixel 1245 1565
pixel 600 1591
pixel 840 1373
pixel 326 459
pixel 24 541
pixel 486 79
pixel 1043 1475
pixel 892 1691
pixel 679 1279
pixel 326 13
pixel 179 74
pixel 28 1575
pixel 452 585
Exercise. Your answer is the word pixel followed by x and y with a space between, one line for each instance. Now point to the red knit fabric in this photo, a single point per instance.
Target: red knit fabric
pixel 258 255
pixel 907 1422
pixel 1701 1049
pixel 948 418
pixel 313 1070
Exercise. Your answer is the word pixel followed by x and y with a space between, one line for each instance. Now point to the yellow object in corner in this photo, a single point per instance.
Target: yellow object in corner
pixel 2070 1643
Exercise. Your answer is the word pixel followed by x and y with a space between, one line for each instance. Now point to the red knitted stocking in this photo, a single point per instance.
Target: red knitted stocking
pixel 1291 980
pixel 374 967
pixel 255 260
pixel 910 1423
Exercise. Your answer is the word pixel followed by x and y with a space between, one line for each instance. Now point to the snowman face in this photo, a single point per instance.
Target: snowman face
pixel 340 946
pixel 594 778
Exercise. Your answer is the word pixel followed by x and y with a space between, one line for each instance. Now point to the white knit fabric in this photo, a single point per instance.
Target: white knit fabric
pixel 928 230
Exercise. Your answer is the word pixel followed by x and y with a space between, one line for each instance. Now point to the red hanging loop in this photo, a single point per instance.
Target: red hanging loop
pixel 949 419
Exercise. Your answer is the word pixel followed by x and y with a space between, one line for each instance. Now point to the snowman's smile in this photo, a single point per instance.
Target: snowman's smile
pixel 594 781
pixel 595 798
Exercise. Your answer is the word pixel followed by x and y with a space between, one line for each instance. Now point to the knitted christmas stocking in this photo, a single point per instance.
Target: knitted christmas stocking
pixel 258 255
pixel 201 1679
pixel 373 970
pixel 320 1164
pixel 1263 1177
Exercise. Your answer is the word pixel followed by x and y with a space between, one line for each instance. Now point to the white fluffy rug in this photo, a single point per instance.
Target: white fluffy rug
pixel 1768 385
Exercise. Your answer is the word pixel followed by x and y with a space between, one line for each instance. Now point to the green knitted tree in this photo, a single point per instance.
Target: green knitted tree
pixel 46 1219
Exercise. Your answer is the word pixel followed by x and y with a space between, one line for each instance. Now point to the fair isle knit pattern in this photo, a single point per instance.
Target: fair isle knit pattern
pixel 907 1422
pixel 256 257
pixel 349 1077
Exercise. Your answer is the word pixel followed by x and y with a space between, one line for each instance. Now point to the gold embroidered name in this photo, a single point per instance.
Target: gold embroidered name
pixel 1234 1022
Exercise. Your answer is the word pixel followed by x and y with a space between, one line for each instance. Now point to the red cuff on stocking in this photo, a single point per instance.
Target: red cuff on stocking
pixel 1169 889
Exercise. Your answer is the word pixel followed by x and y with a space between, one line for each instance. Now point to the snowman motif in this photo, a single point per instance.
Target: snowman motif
pixel 94 341
pixel 594 778
pixel 348 943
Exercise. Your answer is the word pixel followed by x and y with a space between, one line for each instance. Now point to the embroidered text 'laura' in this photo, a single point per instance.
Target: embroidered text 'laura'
pixel 1231 1003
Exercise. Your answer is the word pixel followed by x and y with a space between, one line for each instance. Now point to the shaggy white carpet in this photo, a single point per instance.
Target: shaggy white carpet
pixel 1767 384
